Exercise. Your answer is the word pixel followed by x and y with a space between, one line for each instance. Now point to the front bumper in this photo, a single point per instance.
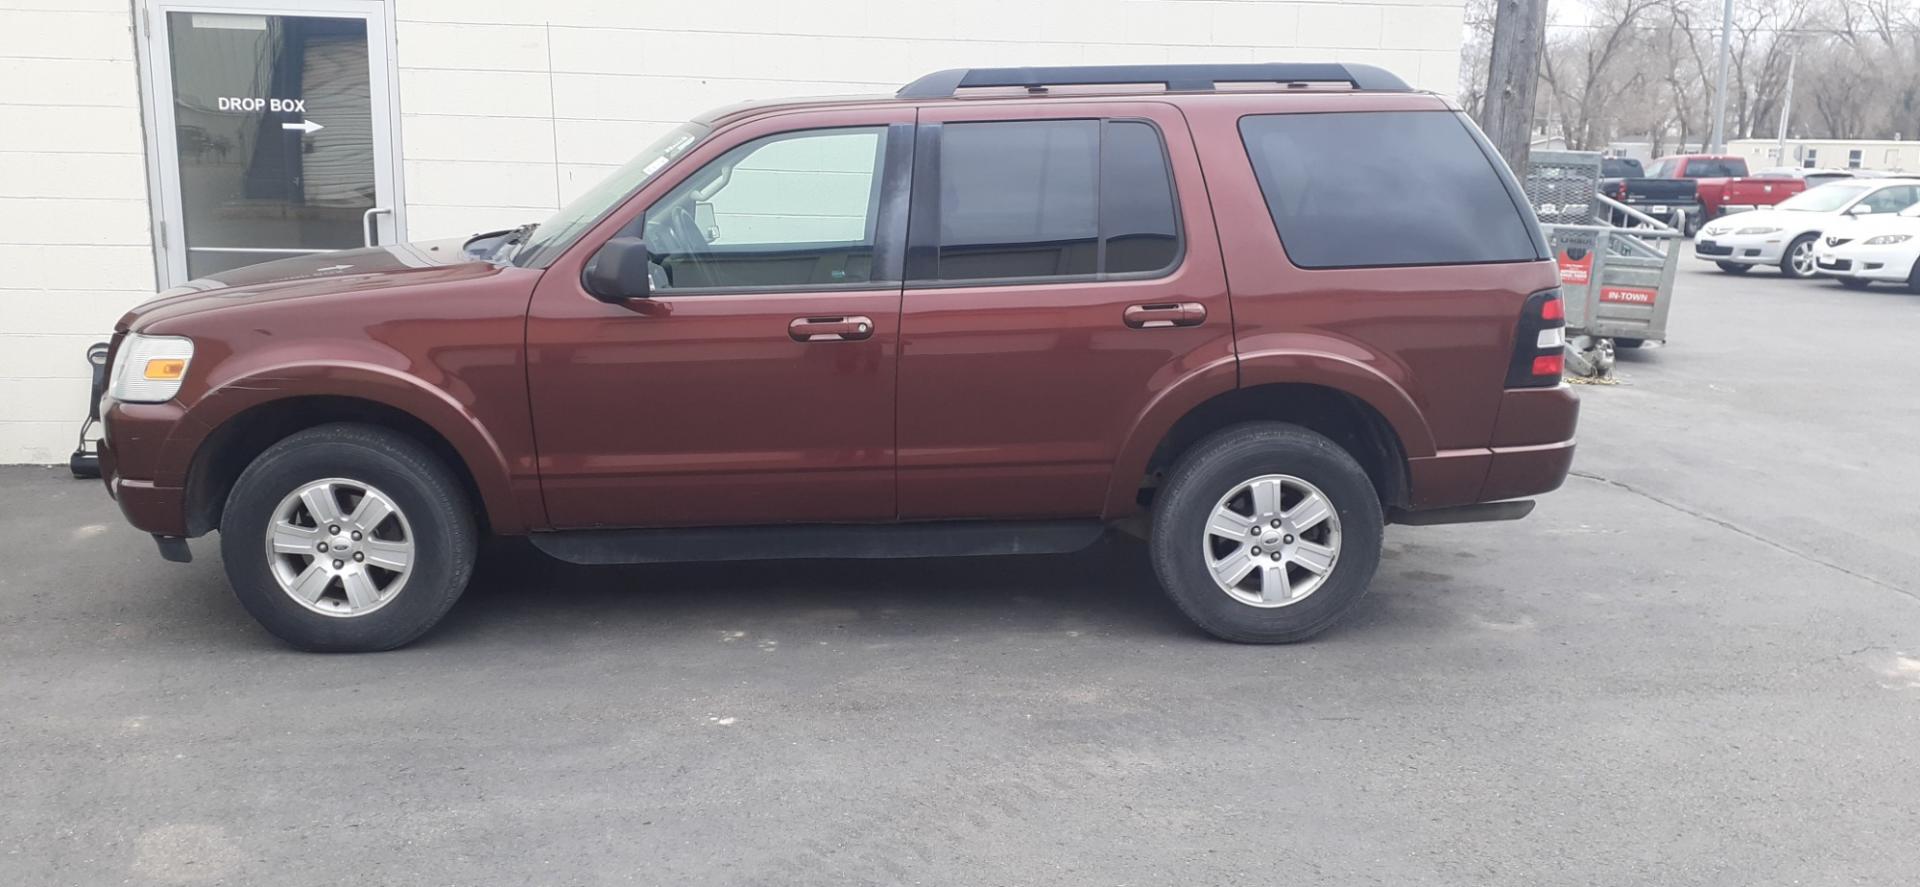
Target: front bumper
pixel 131 447
pixel 1753 249
pixel 154 508
pixel 1890 263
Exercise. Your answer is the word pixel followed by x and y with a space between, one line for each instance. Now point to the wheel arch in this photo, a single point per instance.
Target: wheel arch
pixel 1343 418
pixel 1352 404
pixel 242 419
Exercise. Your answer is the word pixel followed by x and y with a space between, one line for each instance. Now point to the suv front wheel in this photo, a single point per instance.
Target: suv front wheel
pixel 347 538
pixel 1266 533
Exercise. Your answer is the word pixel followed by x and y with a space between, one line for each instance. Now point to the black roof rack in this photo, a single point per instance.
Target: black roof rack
pixel 1178 78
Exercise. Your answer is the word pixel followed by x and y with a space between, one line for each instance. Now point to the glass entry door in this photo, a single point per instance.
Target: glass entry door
pixel 272 130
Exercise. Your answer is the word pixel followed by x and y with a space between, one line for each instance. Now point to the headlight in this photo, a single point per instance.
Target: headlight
pixel 1885 239
pixel 149 369
pixel 1746 231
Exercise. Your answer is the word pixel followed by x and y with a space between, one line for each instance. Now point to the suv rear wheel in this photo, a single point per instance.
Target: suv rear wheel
pixel 347 538
pixel 1266 533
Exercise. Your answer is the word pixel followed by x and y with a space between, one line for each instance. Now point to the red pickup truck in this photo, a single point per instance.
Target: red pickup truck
pixel 1723 185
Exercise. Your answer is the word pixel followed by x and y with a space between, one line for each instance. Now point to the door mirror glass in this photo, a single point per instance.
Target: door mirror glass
pixel 618 272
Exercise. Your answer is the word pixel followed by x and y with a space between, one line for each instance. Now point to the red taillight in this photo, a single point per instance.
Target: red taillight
pixel 1539 342
pixel 1623 191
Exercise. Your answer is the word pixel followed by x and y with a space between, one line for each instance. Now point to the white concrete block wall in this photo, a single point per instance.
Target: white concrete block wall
pixel 509 108
pixel 75 241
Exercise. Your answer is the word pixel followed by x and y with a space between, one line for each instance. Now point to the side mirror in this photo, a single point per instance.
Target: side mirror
pixel 618 272
pixel 1860 209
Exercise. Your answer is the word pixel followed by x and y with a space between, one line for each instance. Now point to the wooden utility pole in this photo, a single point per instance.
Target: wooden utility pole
pixel 1519 32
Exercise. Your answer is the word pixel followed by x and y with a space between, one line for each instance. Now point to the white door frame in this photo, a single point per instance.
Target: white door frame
pixel 162 147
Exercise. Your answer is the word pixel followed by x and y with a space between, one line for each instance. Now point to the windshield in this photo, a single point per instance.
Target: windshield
pixel 559 230
pixel 1824 199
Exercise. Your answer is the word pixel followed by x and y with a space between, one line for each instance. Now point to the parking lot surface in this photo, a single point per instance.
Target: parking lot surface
pixel 1698 663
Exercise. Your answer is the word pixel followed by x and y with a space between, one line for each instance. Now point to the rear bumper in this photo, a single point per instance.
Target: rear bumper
pixel 1531 453
pixel 1664 211
pixel 1513 472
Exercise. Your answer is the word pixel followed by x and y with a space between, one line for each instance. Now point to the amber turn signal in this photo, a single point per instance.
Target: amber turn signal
pixel 165 369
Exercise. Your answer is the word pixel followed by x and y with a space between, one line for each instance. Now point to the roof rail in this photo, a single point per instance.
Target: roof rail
pixel 1177 78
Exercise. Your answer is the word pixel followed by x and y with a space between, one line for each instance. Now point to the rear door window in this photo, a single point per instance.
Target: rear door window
pixel 1033 199
pixel 1383 188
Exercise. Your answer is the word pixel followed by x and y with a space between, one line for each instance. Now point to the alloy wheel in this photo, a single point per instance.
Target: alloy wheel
pixel 1802 259
pixel 1272 541
pixel 340 547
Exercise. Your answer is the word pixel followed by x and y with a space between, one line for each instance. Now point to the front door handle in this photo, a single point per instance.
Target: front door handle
pixel 830 329
pixel 1164 314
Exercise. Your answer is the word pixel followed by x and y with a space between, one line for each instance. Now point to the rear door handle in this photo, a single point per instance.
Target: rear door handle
pixel 1164 314
pixel 830 329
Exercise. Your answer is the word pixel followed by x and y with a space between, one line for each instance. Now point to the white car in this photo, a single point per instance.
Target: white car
pixel 1882 248
pixel 1785 235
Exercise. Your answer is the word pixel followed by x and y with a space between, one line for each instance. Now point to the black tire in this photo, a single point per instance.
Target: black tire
pixel 436 508
pixel 1628 343
pixel 1734 267
pixel 1695 221
pixel 1786 258
pixel 1854 283
pixel 1913 278
pixel 1215 466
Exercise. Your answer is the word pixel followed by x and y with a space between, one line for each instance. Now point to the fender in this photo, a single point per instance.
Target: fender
pixel 486 461
pixel 1356 378
pixel 1335 371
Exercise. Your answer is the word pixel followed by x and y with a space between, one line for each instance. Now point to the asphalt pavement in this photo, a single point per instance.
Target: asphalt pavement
pixel 1698 663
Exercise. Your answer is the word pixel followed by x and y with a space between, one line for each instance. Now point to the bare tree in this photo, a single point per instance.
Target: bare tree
pixel 1583 77
pixel 1643 68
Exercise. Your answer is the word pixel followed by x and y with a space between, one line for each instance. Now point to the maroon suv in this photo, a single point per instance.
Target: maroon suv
pixel 1251 312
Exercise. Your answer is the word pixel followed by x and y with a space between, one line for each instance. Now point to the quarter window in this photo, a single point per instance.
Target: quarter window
pixel 1052 198
pixel 792 210
pixel 1381 188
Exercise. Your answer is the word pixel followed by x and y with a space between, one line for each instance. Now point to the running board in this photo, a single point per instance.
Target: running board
pixel 819 541
pixel 1462 514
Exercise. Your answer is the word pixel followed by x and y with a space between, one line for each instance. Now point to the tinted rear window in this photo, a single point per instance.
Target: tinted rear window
pixel 1019 199
pixel 1053 198
pixel 1716 169
pixel 1375 188
pixel 1619 168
